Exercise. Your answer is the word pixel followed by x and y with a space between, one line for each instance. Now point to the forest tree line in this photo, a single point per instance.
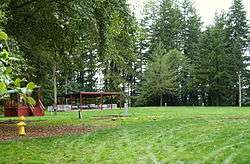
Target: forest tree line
pixel 168 56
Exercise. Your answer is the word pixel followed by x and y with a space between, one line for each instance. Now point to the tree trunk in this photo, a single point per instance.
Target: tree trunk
pixel 129 89
pixel 161 101
pixel 66 84
pixel 203 96
pixel 66 88
pixel 55 89
pixel 217 99
pixel 240 90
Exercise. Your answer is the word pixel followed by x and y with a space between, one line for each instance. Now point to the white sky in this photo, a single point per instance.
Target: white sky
pixel 205 8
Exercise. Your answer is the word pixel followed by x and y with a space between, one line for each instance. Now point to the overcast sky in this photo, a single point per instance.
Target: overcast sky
pixel 206 8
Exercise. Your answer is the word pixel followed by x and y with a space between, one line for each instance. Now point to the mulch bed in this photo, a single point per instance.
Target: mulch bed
pixel 16 121
pixel 10 131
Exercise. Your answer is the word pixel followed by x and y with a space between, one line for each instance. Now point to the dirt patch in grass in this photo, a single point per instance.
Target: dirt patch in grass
pixel 109 117
pixel 10 131
pixel 237 118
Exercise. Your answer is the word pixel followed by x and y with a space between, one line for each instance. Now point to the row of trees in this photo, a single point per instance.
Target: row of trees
pixel 166 57
pixel 209 63
pixel 66 43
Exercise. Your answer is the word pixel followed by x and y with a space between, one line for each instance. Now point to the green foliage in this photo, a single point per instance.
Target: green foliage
pixel 17 82
pixel 119 48
pixel 31 86
pixel 238 31
pixel 97 36
pixel 3 88
pixel 178 26
pixel 4 70
pixel 163 75
pixel 8 70
pixel 214 58
pixel 191 30
pixel 73 42
pixel 3 36
pixel 170 25
pixel 213 72
pixel 29 100
pixel 238 26
pixel 3 18
pixel 4 55
pixel 6 81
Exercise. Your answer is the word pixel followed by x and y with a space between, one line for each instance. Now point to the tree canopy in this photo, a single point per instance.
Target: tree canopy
pixel 167 56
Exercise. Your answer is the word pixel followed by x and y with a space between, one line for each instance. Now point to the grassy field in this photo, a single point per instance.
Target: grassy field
pixel 150 135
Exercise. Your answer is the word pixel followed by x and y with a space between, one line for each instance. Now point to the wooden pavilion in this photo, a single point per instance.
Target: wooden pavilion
pixel 79 100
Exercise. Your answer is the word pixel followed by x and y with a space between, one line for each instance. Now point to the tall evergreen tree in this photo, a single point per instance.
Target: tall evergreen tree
pixel 119 50
pixel 160 77
pixel 238 31
pixel 191 32
pixel 212 70
pixel 168 27
pixel 144 36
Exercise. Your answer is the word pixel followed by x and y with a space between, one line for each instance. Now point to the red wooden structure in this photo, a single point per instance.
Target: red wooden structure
pixel 14 107
pixel 81 97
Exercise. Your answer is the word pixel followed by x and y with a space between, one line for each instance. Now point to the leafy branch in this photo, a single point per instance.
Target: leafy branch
pixel 6 81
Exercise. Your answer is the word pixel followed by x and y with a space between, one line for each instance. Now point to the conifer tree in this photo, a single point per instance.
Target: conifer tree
pixel 168 27
pixel 213 70
pixel 191 32
pixel 238 31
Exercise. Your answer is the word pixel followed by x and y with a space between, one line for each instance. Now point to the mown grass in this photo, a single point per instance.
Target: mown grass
pixel 150 135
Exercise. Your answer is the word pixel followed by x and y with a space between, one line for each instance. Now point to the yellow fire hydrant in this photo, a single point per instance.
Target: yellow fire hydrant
pixel 21 126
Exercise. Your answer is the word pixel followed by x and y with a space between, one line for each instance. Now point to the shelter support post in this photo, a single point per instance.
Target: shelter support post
pixel 120 97
pixel 80 108
pixel 101 102
pixel 71 102
pixel 111 102
pixel 81 101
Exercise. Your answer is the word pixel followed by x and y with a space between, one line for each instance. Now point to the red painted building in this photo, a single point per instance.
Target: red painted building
pixel 15 107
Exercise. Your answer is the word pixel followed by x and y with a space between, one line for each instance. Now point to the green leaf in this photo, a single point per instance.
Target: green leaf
pixel 4 55
pixel 29 100
pixel 31 86
pixel 17 82
pixel 8 70
pixel 3 36
pixel 13 59
pixel 3 88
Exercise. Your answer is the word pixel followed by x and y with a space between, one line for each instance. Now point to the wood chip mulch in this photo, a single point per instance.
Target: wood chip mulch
pixel 10 131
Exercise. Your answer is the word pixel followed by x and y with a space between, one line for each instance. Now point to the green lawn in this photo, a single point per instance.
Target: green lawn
pixel 150 135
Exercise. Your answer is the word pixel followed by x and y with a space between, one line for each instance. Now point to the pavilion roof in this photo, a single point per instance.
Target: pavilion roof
pixel 100 93
pixel 92 94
